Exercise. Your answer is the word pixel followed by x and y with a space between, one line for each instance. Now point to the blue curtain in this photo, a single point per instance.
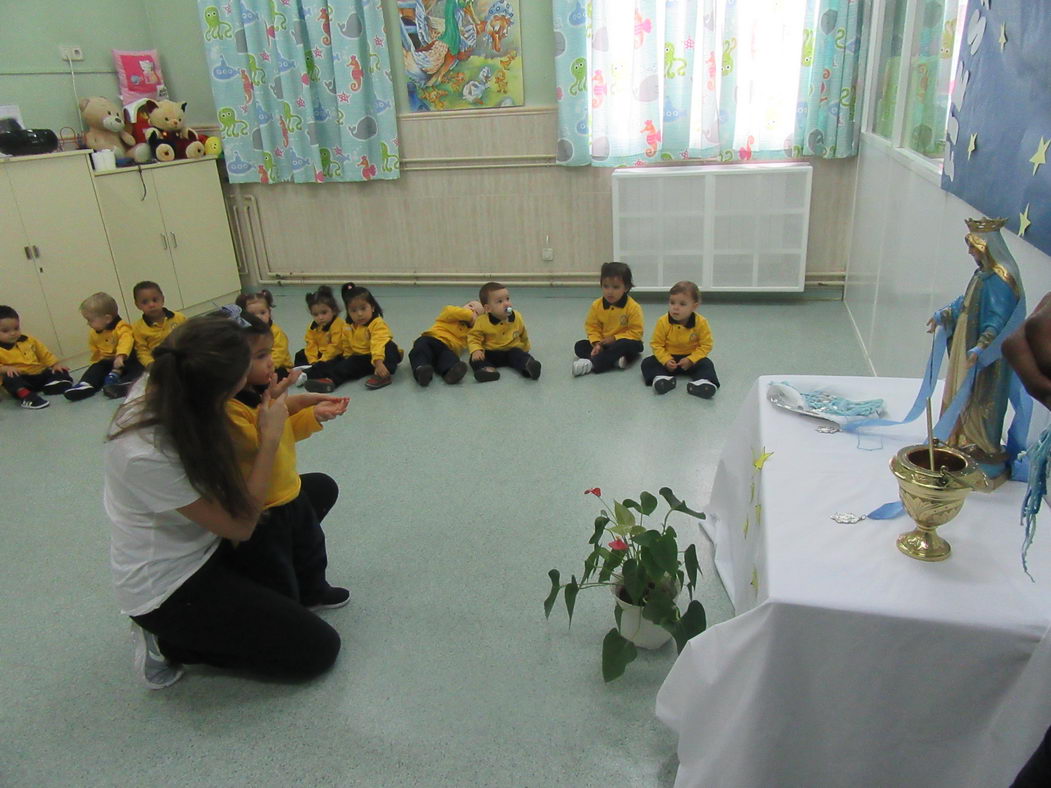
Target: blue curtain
pixel 303 92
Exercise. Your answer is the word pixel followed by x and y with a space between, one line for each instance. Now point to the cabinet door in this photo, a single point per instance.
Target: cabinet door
pixel 137 235
pixel 19 283
pixel 194 212
pixel 57 203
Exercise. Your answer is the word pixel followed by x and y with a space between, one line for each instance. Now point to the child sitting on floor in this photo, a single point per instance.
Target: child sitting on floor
pixel 613 325
pixel 324 341
pixel 113 363
pixel 438 349
pixel 261 305
pixel 27 366
pixel 499 339
pixel 156 321
pixel 681 343
pixel 367 343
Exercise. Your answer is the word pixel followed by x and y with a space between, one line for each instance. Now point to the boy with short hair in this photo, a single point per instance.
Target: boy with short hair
pixel 26 364
pixel 156 322
pixel 438 349
pixel 499 337
pixel 681 343
pixel 112 366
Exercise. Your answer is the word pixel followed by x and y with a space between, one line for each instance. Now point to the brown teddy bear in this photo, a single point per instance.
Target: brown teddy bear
pixel 105 125
pixel 168 136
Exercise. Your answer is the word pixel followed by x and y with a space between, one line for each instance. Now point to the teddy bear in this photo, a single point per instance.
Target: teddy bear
pixel 105 126
pixel 160 125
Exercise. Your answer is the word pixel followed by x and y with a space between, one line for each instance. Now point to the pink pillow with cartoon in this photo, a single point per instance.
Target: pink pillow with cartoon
pixel 139 73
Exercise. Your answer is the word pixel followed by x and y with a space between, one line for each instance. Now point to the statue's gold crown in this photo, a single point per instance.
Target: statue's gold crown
pixel 985 225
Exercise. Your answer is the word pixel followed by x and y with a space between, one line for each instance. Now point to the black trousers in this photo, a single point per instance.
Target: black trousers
pixel 224 617
pixel 95 374
pixel 319 369
pixel 19 384
pixel 1037 771
pixel 702 370
pixel 606 359
pixel 516 358
pixel 360 366
pixel 432 352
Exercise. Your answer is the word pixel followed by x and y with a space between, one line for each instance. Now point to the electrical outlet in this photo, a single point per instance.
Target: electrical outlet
pixel 547 254
pixel 70 52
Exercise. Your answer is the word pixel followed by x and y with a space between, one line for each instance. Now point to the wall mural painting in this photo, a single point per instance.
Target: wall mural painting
pixel 462 54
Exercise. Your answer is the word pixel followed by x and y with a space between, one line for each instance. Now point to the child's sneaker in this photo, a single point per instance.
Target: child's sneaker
pixel 532 369
pixel 423 374
pixel 151 666
pixel 33 401
pixel 626 361
pixel 662 384
pixel 377 382
pixel 455 373
pixel 486 374
pixel 320 385
pixel 58 386
pixel 704 389
pixel 582 366
pixel 330 599
pixel 80 391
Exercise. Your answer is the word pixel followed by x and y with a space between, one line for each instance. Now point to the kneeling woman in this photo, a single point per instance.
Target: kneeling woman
pixel 179 504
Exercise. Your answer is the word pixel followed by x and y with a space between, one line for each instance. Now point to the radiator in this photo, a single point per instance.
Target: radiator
pixel 735 227
pixel 253 264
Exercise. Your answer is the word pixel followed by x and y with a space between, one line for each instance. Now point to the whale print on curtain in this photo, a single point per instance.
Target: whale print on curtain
pixel 303 91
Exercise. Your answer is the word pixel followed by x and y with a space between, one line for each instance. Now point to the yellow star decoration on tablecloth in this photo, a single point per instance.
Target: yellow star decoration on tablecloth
pixel 747 523
pixel 760 461
pixel 755 580
pixel 1003 35
pixel 1023 221
pixel 1040 157
pixel 972 144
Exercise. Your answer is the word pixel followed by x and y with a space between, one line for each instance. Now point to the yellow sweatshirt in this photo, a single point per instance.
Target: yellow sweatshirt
pixel 690 338
pixel 117 340
pixel 451 327
pixel 284 480
pixel 148 335
pixel 622 320
pixel 324 344
pixel 28 355
pixel 368 340
pixel 488 333
pixel 280 353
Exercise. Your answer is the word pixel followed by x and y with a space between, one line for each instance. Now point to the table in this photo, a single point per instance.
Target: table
pixel 848 663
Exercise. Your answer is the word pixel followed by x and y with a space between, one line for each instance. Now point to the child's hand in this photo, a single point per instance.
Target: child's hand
pixel 296 402
pixel 118 362
pixel 271 417
pixel 9 371
pixel 330 408
pixel 59 368
pixel 380 369
pixel 685 364
pixel 671 365
pixel 607 341
pixel 596 348
pixel 478 355
pixel 295 374
pixel 279 387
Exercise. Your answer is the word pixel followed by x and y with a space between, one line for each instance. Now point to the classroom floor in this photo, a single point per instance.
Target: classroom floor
pixel 455 502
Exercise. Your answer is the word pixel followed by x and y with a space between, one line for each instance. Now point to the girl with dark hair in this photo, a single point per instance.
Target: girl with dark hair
pixel 324 342
pixel 613 325
pixel 178 502
pixel 367 343
pixel 261 305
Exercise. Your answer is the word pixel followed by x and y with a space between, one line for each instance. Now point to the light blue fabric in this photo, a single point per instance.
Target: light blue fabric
pixel 302 95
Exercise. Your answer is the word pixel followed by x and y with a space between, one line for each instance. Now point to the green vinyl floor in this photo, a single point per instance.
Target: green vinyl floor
pixel 455 502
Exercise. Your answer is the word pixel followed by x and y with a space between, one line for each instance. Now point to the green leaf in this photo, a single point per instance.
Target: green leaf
pixel 660 608
pixel 630 503
pixel 624 517
pixel 634 579
pixel 692 567
pixel 572 589
pixel 617 653
pixel 618 611
pixel 647 503
pixel 600 525
pixel 636 530
pixel 647 539
pixel 615 559
pixel 693 622
pixel 666 553
pixel 555 588
pixel 676 505
pixel 621 530
pixel 589 565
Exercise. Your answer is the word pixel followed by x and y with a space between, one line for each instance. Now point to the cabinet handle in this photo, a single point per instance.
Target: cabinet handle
pixel 29 254
pixel 164 240
pixel 36 251
pixel 175 242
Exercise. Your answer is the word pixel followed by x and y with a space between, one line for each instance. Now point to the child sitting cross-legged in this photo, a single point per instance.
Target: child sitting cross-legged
pixel 681 343
pixel 367 343
pixel 26 365
pixel 613 325
pixel 113 363
pixel 499 339
pixel 156 321
pixel 324 342
pixel 438 349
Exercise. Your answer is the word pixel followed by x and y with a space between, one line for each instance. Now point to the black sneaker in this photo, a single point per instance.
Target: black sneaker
pixel 60 386
pixel 423 374
pixel 486 374
pixel 320 385
pixel 34 402
pixel 532 369
pixel 116 390
pixel 662 385
pixel 455 373
pixel 704 389
pixel 80 391
pixel 331 598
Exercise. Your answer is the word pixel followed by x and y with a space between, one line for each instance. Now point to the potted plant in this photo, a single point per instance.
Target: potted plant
pixel 646 571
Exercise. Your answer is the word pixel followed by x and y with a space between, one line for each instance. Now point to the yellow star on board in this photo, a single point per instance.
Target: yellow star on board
pixel 764 455
pixel 1040 157
pixel 972 144
pixel 1023 221
pixel 1003 36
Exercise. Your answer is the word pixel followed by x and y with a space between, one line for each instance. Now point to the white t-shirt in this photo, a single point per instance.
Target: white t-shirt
pixel 153 548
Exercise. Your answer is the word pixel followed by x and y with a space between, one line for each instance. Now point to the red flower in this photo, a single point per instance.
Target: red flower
pixel 593 491
pixel 618 544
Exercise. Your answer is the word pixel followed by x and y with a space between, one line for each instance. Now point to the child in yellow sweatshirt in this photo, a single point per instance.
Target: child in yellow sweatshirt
pixel 26 364
pixel 681 343
pixel 261 305
pixel 287 549
pixel 614 325
pixel 324 340
pixel 156 321
pixel 499 339
pixel 368 346
pixel 113 365
pixel 438 348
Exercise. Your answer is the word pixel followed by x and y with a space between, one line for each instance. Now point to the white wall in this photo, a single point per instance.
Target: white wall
pixel 908 258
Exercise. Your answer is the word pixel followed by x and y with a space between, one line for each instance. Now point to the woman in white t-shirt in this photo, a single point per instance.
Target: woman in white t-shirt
pixel 179 504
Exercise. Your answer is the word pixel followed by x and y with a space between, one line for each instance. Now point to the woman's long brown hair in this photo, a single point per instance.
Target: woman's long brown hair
pixel 195 370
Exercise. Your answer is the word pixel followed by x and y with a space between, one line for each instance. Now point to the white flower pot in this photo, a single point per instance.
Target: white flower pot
pixel 643 633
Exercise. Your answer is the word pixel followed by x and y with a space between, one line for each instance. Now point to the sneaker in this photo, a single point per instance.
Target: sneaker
pixel 151 666
pixel 486 374
pixel 423 374
pixel 60 386
pixel 320 385
pixel 376 382
pixel 626 361
pixel 704 389
pixel 455 373
pixel 662 384
pixel 116 390
pixel 34 402
pixel 80 391
pixel 582 366
pixel 301 381
pixel 532 369
pixel 330 599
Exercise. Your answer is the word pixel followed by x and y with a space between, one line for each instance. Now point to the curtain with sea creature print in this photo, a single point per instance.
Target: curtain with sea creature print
pixel 303 89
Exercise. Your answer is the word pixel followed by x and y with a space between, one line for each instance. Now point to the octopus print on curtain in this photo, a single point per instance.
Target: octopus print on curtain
pixel 303 90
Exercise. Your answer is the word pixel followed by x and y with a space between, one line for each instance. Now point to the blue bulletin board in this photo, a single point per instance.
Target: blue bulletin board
pixel 999 128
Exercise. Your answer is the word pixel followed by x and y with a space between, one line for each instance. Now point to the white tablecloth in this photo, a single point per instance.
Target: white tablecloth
pixel 848 663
